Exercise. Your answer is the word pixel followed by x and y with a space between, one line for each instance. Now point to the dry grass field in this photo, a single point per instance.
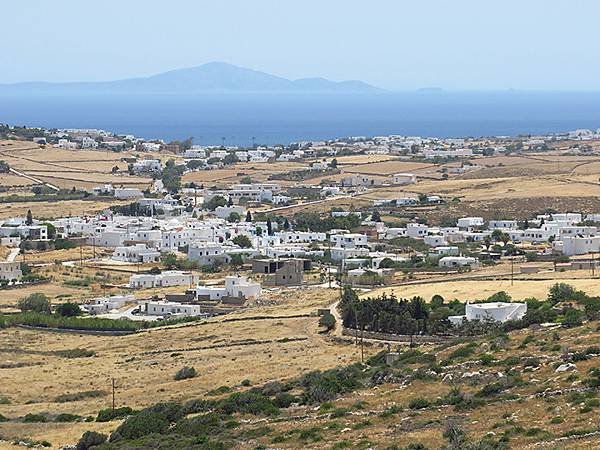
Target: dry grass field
pixel 481 289
pixel 221 350
pixel 387 168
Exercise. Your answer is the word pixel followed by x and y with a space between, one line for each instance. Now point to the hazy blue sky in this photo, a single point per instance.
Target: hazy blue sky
pixel 454 44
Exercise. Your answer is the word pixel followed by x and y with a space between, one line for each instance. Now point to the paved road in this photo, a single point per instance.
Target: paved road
pixel 13 254
pixel 37 180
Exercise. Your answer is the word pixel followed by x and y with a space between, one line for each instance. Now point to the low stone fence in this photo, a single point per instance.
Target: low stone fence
pixel 417 339
pixel 74 331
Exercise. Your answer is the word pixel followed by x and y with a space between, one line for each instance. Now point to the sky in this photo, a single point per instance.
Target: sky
pixel 394 44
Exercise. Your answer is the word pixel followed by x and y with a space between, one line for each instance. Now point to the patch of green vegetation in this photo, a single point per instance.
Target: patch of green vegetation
pixel 77 396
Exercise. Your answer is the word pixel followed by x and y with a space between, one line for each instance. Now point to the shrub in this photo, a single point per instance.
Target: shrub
pixel 248 403
pixel 65 417
pixel 76 396
pixel 463 352
pixel 419 403
pixel 3 418
pixel 327 321
pixel 185 373
pixel 285 400
pixel 76 353
pixel 142 424
pixel 320 387
pixel 34 418
pixel 68 309
pixel 36 302
pixel 90 439
pixel 242 241
pixel 108 414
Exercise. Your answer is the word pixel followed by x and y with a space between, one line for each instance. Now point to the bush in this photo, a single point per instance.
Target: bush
pixel 320 387
pixel 76 396
pixel 463 352
pixel 285 400
pixel 90 439
pixel 142 424
pixel 36 302
pixel 76 353
pixel 65 417
pixel 108 414
pixel 419 403
pixel 68 309
pixel 242 241
pixel 248 403
pixel 34 418
pixel 185 373
pixel 327 321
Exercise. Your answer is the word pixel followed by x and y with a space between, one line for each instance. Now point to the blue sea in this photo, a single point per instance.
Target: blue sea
pixel 284 118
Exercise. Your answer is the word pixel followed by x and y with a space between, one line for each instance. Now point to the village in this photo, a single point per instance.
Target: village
pixel 146 259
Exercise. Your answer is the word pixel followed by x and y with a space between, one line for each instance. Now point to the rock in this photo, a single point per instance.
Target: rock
pixel 566 367
pixel 447 377
pixel 471 374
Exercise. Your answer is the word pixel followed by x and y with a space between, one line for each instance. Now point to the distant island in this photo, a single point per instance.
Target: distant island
pixel 213 77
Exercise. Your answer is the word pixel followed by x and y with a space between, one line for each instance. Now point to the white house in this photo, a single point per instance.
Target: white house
pixel 104 305
pixel 349 240
pixel 162 308
pixel 136 253
pixel 106 189
pixel 341 253
pixel 146 166
pixel 435 240
pixel 235 286
pixel 498 312
pixel 578 245
pixel 445 251
pixel 206 253
pixel 127 193
pixel 469 222
pixel 502 224
pixel 416 230
pixel 110 238
pixel 165 279
pixel 458 261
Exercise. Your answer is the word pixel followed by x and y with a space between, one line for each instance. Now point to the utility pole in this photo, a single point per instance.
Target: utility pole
pixel 81 254
pixel 113 393
pixel 512 270
pixel 362 347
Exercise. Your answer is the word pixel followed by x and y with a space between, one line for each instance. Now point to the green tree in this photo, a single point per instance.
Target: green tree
pixel 376 217
pixel 234 217
pixel 242 241
pixel 170 261
pixel 36 302
pixel 327 321
pixel 214 202
pixel 237 260
pixel 29 219
pixel 248 216
pixel 68 309
pixel 51 230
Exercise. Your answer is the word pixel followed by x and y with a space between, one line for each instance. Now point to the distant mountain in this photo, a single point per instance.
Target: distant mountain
pixel 214 77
